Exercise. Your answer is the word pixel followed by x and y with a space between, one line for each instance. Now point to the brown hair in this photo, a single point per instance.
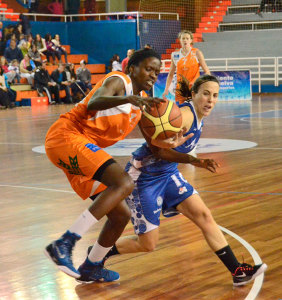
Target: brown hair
pixel 185 32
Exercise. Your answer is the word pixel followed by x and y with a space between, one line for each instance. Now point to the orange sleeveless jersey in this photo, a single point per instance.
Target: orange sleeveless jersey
pixel 105 127
pixel 189 67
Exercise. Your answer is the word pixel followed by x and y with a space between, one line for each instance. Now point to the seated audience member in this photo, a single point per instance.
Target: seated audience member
pixel 78 88
pixel 11 93
pixel 2 43
pixel 12 37
pixel 27 68
pixel 56 41
pixel 13 52
pixel 4 95
pixel 40 44
pixel 115 64
pixel 22 40
pixel 56 8
pixel 84 75
pixel 24 48
pixel 60 77
pixel 18 31
pixel 15 72
pixel 51 49
pixel 34 55
pixel 44 83
pixel 125 61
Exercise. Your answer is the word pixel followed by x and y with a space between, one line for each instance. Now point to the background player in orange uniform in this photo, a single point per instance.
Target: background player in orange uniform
pixel 74 144
pixel 186 62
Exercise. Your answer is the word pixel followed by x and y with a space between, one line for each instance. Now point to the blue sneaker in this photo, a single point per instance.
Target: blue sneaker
pixel 60 252
pixel 91 272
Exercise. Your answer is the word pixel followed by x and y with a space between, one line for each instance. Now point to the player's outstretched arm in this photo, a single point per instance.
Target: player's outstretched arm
pixel 111 94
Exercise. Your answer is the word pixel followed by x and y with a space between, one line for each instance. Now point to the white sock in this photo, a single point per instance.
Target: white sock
pixel 83 223
pixel 98 252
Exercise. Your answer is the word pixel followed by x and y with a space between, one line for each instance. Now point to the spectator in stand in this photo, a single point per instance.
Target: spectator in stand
pixel 10 73
pixel 84 76
pixel 57 42
pixel 21 40
pixel 125 61
pixel 13 52
pixel 11 93
pixel 73 7
pixel 40 44
pixel 29 40
pixel 27 68
pixel 18 31
pixel 147 46
pixel 24 21
pixel 15 72
pixel 90 6
pixel 34 55
pixel 12 37
pixel 2 44
pixel 33 6
pixel 4 95
pixel 115 64
pixel 51 49
pixel 262 6
pixel 78 88
pixel 60 77
pixel 56 7
pixel 24 48
pixel 43 82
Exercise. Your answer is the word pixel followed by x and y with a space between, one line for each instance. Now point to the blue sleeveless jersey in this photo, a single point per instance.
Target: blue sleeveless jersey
pixel 145 161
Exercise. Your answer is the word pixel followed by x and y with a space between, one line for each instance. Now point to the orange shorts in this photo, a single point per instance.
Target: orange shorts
pixel 77 157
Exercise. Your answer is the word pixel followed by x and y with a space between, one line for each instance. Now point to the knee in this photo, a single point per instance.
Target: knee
pixel 126 185
pixel 204 217
pixel 120 218
pixel 148 246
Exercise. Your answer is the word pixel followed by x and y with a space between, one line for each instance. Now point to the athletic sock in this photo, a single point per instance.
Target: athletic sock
pixel 98 252
pixel 83 223
pixel 227 256
pixel 113 251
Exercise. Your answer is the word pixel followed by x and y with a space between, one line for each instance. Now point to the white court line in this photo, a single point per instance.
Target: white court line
pixel 259 280
pixel 36 188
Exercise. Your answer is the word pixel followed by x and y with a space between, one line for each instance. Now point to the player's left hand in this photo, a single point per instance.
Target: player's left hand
pixel 208 164
pixel 175 141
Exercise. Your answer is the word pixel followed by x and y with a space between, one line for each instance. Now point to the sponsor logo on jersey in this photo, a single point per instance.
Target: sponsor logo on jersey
pixel 159 201
pixel 182 190
pixel 73 168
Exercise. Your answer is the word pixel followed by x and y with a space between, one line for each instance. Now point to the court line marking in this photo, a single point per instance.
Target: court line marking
pixel 36 188
pixel 250 114
pixel 257 282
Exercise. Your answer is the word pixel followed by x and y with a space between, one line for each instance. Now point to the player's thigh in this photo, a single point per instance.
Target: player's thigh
pixel 194 208
pixel 145 202
pixel 78 156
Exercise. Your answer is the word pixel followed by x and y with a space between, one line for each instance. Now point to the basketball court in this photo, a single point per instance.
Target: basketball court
pixel 38 205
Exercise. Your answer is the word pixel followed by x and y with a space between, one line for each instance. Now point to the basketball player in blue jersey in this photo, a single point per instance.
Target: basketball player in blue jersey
pixel 160 187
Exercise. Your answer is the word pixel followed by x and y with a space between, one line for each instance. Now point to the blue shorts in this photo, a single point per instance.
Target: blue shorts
pixel 153 195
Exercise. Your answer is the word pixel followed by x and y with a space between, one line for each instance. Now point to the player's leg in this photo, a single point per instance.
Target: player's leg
pixel 79 162
pixel 92 268
pixel 195 209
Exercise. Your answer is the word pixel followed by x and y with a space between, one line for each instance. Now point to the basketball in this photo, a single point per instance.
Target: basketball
pixel 162 121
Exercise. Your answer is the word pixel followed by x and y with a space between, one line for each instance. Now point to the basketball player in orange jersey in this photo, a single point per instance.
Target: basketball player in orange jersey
pixel 186 62
pixel 75 142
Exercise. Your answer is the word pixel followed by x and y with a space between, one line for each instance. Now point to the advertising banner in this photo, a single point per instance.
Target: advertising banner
pixel 234 85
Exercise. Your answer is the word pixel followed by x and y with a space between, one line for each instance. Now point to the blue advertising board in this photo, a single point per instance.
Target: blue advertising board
pixel 234 85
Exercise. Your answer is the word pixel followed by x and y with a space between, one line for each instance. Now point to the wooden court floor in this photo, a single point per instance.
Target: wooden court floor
pixel 38 205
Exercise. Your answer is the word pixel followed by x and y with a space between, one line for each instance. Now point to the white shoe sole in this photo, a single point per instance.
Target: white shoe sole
pixel 259 271
pixel 62 268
